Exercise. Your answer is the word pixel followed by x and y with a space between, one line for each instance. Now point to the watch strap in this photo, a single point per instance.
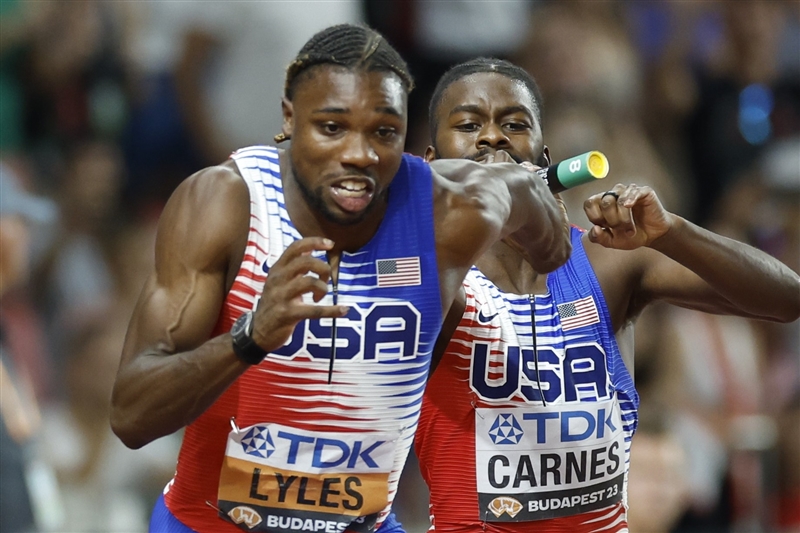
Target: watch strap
pixel 244 346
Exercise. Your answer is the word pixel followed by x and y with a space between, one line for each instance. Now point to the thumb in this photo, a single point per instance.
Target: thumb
pixel 600 236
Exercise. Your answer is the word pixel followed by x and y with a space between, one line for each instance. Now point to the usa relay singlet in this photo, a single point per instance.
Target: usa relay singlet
pixel 282 450
pixel 510 441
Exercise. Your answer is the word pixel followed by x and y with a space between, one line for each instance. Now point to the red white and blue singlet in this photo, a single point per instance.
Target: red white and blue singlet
pixel 512 441
pixel 282 450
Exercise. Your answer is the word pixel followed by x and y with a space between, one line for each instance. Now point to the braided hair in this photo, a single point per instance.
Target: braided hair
pixel 349 45
pixel 483 64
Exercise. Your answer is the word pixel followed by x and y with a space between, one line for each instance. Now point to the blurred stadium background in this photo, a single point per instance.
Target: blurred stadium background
pixel 106 106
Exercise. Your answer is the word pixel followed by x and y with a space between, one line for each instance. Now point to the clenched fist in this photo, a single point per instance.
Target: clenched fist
pixel 627 217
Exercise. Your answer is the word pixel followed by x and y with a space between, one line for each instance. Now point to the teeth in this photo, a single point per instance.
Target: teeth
pixel 354 186
pixel 350 193
pixel 351 188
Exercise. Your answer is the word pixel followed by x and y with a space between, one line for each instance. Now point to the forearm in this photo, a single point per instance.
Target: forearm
pixel 544 232
pixel 159 393
pixel 753 281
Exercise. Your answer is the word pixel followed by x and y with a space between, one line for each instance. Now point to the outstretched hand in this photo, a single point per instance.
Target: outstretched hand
pixel 281 306
pixel 626 217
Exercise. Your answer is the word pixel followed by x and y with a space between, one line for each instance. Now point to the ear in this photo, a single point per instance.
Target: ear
pixel 546 157
pixel 287 108
pixel 430 154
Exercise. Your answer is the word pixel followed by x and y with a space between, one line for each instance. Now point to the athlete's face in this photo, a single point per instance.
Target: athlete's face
pixel 485 112
pixel 348 130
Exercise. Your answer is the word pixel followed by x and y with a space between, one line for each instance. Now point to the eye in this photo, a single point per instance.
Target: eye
pixel 386 132
pixel 331 128
pixel 467 127
pixel 517 126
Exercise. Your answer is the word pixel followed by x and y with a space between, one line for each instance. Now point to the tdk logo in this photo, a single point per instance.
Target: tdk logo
pixel 330 453
pixel 258 442
pixel 294 449
pixel 506 430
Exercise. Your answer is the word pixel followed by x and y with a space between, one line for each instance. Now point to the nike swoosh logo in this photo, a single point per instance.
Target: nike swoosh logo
pixel 483 319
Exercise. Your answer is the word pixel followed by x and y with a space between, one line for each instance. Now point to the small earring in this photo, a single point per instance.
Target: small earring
pixel 279 138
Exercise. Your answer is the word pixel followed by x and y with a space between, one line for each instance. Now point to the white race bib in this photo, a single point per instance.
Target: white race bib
pixel 285 480
pixel 538 462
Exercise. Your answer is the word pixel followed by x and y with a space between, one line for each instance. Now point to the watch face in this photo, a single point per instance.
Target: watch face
pixel 240 326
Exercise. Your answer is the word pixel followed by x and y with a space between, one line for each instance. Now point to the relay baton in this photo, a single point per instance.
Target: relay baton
pixel 575 171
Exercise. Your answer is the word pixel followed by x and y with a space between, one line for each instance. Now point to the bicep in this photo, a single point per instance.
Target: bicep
pixel 174 317
pixel 180 303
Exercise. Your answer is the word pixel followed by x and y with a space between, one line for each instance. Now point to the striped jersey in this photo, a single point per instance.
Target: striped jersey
pixel 283 449
pixel 514 438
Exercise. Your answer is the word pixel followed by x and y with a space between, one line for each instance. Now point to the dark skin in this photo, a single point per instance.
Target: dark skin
pixel 348 130
pixel 639 251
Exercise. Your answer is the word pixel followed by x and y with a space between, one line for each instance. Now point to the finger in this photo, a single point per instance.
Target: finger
pixel 299 266
pixel 591 207
pixel 304 285
pixel 602 236
pixel 636 195
pixel 302 312
pixel 304 246
pixel 530 167
pixel 617 217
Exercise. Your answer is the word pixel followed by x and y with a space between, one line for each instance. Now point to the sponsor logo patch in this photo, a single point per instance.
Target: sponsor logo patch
pixel 245 515
pixel 505 504
pixel 483 319
pixel 505 430
pixel 258 442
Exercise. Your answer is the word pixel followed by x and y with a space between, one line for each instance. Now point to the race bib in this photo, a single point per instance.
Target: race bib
pixel 285 480
pixel 537 462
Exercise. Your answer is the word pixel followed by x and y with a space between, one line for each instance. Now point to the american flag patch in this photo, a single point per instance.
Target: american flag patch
pixel 578 313
pixel 402 272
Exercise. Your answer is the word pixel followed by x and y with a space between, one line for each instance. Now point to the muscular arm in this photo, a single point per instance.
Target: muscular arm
pixel 477 204
pixel 170 371
pixel 671 259
pixel 747 281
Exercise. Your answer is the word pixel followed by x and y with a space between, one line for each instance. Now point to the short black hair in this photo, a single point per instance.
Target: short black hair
pixel 474 66
pixel 352 46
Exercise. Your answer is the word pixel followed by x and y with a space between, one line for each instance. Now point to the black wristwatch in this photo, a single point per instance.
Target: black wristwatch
pixel 244 346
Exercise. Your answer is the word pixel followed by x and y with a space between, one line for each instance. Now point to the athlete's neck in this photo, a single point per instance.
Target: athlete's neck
pixel 510 271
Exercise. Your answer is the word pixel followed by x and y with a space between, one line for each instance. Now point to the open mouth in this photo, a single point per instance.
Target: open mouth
pixel 353 194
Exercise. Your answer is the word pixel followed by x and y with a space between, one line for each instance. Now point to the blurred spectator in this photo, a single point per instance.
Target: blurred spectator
pixel 763 206
pixel 20 488
pixel 747 97
pixel 728 381
pixel 78 284
pixel 106 487
pixel 433 36
pixel 74 76
pixel 657 486
pixel 590 77
pixel 723 81
pixel 17 19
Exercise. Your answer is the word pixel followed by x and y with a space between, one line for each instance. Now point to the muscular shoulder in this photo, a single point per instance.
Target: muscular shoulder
pixel 205 219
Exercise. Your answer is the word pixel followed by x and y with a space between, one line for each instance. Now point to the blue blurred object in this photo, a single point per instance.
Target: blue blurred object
pixel 755 106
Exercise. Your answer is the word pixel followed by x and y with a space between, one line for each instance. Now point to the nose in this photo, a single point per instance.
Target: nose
pixel 358 152
pixel 492 136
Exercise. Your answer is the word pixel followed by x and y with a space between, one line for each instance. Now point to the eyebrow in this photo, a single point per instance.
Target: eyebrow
pixel 469 108
pixel 387 110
